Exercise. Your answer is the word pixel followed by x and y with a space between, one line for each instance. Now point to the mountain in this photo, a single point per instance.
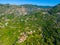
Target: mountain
pixel 35 6
pixel 22 9
pixel 55 9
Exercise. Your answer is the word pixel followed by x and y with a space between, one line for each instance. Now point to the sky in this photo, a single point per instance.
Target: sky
pixel 34 2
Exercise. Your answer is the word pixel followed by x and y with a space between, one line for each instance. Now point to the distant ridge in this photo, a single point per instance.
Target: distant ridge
pixel 29 5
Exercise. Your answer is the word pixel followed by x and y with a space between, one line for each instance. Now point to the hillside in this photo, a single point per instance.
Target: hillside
pixel 21 26
pixel 55 9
